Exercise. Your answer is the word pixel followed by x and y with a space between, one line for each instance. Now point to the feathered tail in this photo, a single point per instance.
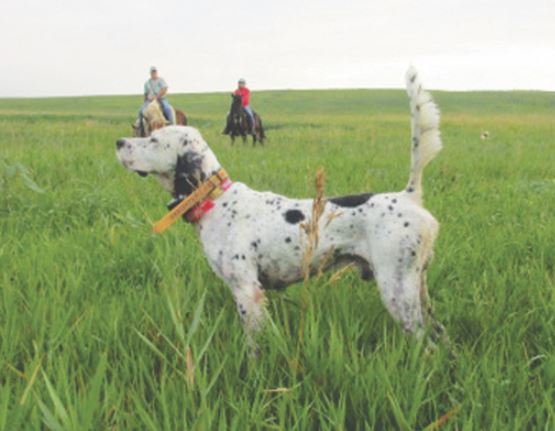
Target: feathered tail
pixel 426 139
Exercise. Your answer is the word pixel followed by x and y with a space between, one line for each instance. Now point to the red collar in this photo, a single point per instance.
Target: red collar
pixel 198 203
pixel 204 207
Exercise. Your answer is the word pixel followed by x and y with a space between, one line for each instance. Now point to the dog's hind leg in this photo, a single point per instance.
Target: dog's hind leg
pixel 400 293
pixel 437 330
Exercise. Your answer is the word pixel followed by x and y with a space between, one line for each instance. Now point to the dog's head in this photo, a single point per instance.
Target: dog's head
pixel 177 155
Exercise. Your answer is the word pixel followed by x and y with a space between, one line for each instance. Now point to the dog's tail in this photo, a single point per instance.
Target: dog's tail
pixel 426 140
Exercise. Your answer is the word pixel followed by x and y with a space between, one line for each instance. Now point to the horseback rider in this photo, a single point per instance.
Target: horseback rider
pixel 155 89
pixel 245 94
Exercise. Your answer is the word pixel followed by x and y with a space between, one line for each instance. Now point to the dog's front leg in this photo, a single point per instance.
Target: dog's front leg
pixel 251 303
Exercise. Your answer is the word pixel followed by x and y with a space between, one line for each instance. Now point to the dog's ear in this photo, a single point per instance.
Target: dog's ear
pixel 188 173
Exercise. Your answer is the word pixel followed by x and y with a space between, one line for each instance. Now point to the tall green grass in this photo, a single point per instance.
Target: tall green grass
pixel 104 325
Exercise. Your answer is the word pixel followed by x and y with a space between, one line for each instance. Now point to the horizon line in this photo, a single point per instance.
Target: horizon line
pixel 269 90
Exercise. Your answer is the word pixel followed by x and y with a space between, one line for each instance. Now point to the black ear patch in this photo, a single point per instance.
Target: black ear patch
pixel 188 173
pixel 352 200
pixel 293 216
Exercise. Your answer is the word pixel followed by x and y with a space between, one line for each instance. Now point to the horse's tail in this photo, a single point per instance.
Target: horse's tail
pixel 180 117
pixel 261 128
pixel 426 140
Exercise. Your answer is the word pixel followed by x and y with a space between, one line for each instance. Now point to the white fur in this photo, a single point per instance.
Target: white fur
pixel 251 245
pixel 426 140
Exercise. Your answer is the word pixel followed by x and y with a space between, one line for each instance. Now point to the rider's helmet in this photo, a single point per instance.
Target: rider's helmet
pixel 242 81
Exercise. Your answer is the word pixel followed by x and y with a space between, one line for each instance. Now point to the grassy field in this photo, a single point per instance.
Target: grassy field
pixel 106 326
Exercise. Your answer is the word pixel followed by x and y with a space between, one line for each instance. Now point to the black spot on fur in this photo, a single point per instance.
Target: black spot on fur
pixel 293 216
pixel 390 207
pixel 254 245
pixel 406 224
pixel 352 200
pixel 288 239
pixel 410 190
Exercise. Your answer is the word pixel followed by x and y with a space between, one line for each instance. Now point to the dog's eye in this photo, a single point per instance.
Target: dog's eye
pixel 154 140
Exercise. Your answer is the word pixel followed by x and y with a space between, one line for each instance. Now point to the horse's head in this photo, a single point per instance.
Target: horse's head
pixel 236 103
pixel 177 155
pixel 140 130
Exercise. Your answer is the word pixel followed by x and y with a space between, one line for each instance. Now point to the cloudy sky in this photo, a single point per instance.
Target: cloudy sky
pixel 76 47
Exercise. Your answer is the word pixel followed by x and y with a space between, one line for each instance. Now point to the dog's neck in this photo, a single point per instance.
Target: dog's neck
pixel 195 205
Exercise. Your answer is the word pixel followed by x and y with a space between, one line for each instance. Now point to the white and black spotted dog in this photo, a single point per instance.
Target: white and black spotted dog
pixel 253 240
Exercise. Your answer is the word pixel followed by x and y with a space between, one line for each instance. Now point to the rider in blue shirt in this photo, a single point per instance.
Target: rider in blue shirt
pixel 156 89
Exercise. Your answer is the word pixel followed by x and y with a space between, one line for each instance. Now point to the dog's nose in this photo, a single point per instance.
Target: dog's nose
pixel 120 143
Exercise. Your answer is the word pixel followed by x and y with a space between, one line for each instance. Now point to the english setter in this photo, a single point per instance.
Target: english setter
pixel 253 239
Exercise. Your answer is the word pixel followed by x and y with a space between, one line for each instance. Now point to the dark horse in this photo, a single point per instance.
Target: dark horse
pixel 238 123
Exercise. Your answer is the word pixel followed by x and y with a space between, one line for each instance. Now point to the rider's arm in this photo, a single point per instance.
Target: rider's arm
pixel 162 92
pixel 146 91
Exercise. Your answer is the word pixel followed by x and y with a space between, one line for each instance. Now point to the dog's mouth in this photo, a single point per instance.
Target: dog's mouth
pixel 142 173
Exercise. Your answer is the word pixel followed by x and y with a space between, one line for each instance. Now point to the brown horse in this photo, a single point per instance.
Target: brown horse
pixel 153 119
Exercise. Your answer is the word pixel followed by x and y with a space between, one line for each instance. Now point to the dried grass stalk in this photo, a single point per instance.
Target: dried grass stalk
pixel 190 367
pixel 338 274
pixel 311 227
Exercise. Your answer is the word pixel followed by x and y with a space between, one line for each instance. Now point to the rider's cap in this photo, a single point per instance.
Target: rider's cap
pixel 242 81
pixel 153 69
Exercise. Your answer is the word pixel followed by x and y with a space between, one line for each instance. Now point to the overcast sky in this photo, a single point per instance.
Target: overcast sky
pixel 75 47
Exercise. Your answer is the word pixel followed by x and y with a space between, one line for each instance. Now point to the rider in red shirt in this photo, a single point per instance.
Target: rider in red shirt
pixel 245 94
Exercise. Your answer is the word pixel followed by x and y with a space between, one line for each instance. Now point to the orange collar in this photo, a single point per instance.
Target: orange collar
pixel 197 203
